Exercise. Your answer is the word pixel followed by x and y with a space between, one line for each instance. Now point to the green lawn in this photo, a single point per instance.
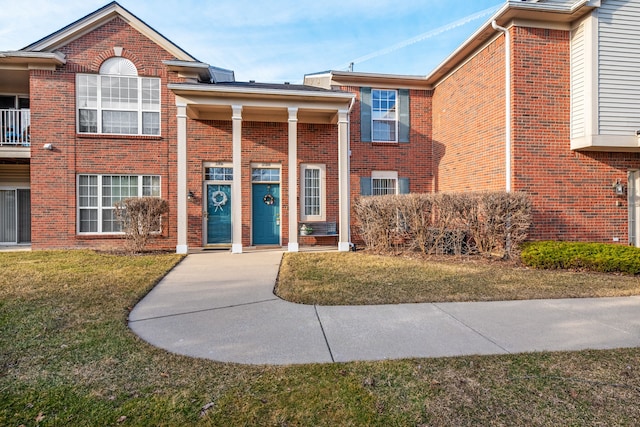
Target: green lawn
pixel 68 358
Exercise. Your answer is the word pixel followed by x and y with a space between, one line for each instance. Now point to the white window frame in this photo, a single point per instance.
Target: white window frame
pixel 86 101
pixel 100 208
pixel 322 168
pixel 384 175
pixel 386 115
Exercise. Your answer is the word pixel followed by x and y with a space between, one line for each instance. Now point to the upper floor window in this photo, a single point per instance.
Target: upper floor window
pixel 384 115
pixel 117 101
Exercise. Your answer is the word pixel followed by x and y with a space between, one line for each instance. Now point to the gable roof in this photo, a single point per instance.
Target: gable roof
pixel 98 18
pixel 555 12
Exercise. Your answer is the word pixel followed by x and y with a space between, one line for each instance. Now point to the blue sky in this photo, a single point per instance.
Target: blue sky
pixel 280 40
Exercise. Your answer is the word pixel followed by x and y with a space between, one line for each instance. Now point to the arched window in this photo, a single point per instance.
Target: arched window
pixel 117 101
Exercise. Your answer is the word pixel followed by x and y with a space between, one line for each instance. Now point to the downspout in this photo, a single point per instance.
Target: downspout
pixel 507 96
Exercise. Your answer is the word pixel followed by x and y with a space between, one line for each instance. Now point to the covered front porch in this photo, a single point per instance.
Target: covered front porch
pixel 291 183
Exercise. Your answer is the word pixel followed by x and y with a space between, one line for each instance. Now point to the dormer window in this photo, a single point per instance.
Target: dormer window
pixel 117 101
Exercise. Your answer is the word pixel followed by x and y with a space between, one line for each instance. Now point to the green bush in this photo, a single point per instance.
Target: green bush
pixel 606 258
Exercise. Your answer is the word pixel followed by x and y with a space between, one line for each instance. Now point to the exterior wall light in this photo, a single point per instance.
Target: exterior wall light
pixel 190 195
pixel 618 188
pixel 48 147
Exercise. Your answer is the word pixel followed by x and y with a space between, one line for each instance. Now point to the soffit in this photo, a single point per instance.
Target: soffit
pixel 213 102
pixel 551 15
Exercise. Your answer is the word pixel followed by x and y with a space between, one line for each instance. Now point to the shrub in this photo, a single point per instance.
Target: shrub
pixel 140 218
pixel 606 258
pixel 443 223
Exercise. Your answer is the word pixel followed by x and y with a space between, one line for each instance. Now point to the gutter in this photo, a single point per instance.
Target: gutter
pixel 507 97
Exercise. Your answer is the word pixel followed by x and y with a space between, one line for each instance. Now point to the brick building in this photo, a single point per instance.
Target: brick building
pixel 540 99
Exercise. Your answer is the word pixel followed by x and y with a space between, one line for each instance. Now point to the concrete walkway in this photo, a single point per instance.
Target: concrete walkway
pixel 221 306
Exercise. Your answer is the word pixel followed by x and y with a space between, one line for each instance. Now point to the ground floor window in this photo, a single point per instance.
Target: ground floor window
pixel 313 188
pixel 97 195
pixel 383 183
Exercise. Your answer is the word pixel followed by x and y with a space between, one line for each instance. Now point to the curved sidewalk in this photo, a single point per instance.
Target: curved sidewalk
pixel 221 306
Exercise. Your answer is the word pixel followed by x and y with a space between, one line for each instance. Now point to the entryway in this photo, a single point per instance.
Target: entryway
pixel 15 216
pixel 265 206
pixel 217 205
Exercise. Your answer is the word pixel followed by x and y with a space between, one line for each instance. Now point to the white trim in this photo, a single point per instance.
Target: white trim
pixel 182 249
pixel 396 119
pixel 99 18
pixel 323 192
pixel 236 248
pixel 100 207
pixel 293 247
pixel 99 109
pixel 385 175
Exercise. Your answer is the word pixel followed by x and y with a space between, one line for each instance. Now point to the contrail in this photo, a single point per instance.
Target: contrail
pixel 423 36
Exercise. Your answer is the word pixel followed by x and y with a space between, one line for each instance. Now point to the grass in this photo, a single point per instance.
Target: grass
pixel 68 358
pixel 359 278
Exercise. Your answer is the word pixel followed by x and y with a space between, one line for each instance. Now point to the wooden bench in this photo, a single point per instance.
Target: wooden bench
pixel 321 228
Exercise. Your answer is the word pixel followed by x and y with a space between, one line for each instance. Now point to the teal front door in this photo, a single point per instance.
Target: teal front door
pixel 266 214
pixel 218 214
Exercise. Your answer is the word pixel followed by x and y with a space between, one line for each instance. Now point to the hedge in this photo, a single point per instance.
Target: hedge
pixel 487 223
pixel 601 257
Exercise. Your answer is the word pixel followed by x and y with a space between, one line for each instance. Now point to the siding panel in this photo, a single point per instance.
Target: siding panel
pixel 578 76
pixel 618 67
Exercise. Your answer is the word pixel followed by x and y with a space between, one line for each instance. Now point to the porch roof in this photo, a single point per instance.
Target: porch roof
pixel 262 102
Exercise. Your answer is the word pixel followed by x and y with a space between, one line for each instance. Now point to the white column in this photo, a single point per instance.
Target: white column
pixel 343 181
pixel 182 246
pixel 293 181
pixel 236 188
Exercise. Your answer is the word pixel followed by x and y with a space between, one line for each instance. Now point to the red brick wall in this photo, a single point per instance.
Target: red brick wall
pixel 411 160
pixel 571 191
pixel 262 143
pixel 469 124
pixel 53 173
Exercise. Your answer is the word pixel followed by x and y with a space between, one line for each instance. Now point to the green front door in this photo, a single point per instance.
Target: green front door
pixel 218 214
pixel 266 214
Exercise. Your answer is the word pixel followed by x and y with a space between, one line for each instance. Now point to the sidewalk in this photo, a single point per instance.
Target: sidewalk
pixel 221 306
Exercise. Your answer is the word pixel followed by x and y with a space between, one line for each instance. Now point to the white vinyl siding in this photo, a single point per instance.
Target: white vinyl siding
pixel 618 67
pixel 578 83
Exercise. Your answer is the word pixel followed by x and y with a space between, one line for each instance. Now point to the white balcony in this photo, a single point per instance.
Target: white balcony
pixel 15 128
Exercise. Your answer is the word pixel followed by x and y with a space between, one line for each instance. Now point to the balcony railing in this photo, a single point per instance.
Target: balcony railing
pixel 15 127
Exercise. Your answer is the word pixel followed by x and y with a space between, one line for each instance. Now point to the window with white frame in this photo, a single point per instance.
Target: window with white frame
pixel 384 182
pixel 97 195
pixel 384 115
pixel 312 192
pixel 117 101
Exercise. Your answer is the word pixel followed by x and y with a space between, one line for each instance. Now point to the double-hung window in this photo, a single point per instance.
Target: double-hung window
pixel 384 182
pixel 312 188
pixel 117 101
pixel 97 195
pixel 384 115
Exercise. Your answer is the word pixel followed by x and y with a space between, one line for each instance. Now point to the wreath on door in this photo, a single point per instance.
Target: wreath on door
pixel 268 199
pixel 219 199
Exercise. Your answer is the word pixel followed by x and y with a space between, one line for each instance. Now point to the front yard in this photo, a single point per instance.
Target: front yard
pixel 346 279
pixel 68 358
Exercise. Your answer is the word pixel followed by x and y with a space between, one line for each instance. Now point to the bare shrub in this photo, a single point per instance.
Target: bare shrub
pixel 489 223
pixel 140 218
